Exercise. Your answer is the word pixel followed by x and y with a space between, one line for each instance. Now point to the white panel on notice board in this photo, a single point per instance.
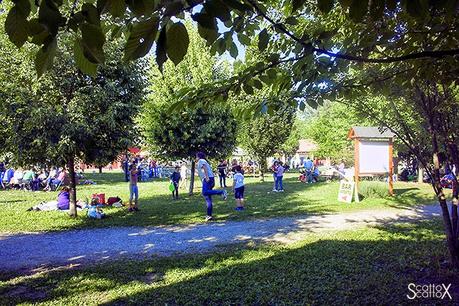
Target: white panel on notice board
pixel 373 156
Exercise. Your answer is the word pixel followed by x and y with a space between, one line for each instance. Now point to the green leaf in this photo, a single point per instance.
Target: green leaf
pixel 233 50
pixel 38 32
pixel 23 6
pixel 391 4
pixel 274 57
pixel 243 39
pixel 325 6
pixel 377 9
pixel 358 10
pixel 81 61
pixel 45 56
pixel 50 16
pixel 91 14
pixel 141 39
pixel 265 79
pixel 93 40
pixel 205 20
pixel 272 73
pixel 417 8
pixel 217 9
pixel 247 89
pixel 242 7
pixel 16 27
pixel 146 7
pixel 210 35
pixel 291 21
pixel 161 56
pixel 177 42
pixel 345 4
pixel 117 7
pixel 297 4
pixel 257 84
pixel 263 39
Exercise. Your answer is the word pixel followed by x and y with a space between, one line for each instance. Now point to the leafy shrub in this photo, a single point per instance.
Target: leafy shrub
pixel 373 189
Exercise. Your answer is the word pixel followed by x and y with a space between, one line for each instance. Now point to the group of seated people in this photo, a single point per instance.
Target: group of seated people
pixel 32 179
pixel 63 203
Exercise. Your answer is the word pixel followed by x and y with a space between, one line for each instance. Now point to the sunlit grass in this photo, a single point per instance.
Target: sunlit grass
pixel 158 208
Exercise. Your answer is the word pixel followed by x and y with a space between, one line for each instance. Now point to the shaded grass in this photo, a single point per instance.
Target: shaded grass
pixel 366 266
pixel 157 207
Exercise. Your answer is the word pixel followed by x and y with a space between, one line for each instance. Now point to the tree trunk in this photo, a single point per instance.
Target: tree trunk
pixel 451 236
pixel 193 166
pixel 420 174
pixel 71 168
pixel 262 169
pixel 100 169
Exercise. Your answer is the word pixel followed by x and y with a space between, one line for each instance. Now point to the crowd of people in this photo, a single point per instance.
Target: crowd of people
pixel 34 179
pixel 137 169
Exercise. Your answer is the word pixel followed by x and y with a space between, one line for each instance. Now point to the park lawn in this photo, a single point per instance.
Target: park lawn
pixel 362 267
pixel 157 207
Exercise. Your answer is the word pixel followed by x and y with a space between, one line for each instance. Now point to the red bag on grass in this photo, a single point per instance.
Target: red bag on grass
pixel 100 196
pixel 112 200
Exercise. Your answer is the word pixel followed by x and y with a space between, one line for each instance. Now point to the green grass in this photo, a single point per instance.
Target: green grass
pixel 157 207
pixel 366 266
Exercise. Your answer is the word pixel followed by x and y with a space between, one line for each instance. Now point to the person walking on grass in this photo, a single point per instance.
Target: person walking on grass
pixel 238 188
pixel 274 170
pixel 175 179
pixel 208 182
pixel 279 177
pixel 133 189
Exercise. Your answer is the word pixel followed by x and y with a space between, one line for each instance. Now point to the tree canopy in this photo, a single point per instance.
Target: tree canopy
pixel 180 133
pixel 67 115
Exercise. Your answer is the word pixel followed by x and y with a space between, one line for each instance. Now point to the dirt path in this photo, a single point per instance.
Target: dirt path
pixel 46 250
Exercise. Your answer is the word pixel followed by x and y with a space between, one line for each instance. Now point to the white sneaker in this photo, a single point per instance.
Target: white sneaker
pixel 208 218
pixel 275 190
pixel 282 190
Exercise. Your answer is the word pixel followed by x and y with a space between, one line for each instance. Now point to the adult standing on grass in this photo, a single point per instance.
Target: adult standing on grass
pixel 175 179
pixel 208 182
pixel 274 170
pixel 133 189
pixel 222 173
pixel 183 175
pixel 279 177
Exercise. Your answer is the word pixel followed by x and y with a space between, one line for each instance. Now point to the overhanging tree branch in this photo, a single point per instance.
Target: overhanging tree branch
pixel 417 55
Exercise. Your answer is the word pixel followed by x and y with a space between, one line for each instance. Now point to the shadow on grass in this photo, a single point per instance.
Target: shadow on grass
pixel 158 208
pixel 163 210
pixel 346 269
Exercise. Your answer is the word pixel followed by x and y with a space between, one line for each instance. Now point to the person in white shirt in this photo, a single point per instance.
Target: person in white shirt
pixel 279 177
pixel 238 188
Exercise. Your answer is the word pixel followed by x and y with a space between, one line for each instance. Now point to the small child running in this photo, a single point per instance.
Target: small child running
pixel 238 186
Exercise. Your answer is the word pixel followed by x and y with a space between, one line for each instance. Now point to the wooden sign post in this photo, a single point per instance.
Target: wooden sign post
pixel 373 150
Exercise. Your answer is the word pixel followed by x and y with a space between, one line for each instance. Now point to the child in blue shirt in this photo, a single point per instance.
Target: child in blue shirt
pixel 94 209
pixel 238 185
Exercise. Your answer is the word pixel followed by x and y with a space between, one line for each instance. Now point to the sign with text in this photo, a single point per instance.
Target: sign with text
pixel 346 191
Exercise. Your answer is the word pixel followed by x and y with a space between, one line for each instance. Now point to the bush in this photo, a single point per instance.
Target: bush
pixel 373 189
